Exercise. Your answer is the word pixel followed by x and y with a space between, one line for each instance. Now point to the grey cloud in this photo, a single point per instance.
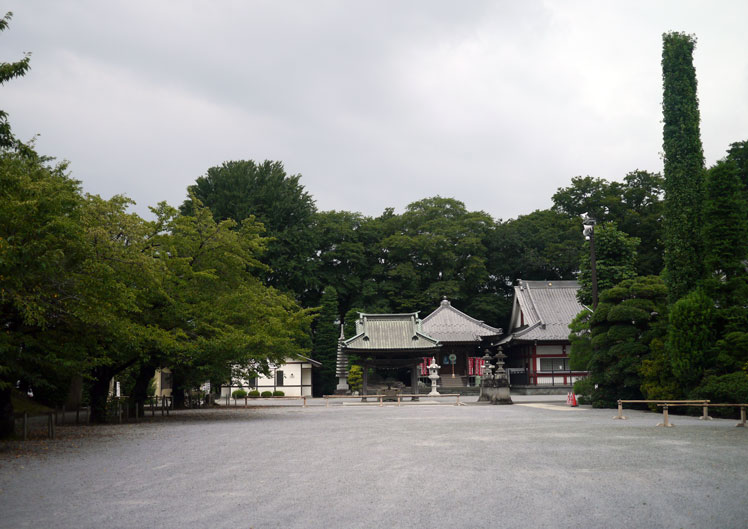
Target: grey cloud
pixel 377 104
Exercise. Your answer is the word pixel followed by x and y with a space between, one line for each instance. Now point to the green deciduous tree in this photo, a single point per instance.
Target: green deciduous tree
pixel 241 189
pixel 684 166
pixel 42 249
pixel 635 205
pixel 615 261
pixel 8 71
pixel 435 248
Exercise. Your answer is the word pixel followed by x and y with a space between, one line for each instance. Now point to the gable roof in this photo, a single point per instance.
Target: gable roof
pixel 447 324
pixel 543 310
pixel 390 332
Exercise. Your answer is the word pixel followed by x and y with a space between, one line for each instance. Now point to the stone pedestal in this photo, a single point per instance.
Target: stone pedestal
pixel 342 387
pixel 495 394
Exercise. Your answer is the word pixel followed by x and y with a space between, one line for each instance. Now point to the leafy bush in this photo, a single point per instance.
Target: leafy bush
pixel 253 394
pixel 584 387
pixel 266 394
pixel 355 378
pixel 278 393
pixel 238 393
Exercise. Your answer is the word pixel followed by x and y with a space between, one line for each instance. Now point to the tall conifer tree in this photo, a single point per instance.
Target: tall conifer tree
pixel 684 166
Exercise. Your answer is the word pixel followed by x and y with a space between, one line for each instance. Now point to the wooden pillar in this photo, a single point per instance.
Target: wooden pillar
pixel 414 381
pixel 364 381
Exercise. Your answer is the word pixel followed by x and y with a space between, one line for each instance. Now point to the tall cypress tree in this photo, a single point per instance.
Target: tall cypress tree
pixel 326 341
pixel 684 166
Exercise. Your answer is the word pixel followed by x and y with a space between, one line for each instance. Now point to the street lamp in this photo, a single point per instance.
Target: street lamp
pixel 589 234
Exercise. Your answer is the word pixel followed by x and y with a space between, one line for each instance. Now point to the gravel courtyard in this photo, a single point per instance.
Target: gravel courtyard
pixel 534 464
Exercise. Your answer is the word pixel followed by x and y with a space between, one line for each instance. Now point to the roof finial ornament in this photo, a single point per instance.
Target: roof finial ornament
pixel 445 301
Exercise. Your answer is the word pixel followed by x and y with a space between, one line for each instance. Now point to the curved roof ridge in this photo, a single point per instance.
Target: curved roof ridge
pixel 449 306
pixel 534 305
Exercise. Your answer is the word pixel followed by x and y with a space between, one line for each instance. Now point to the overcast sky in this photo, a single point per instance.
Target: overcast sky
pixel 376 104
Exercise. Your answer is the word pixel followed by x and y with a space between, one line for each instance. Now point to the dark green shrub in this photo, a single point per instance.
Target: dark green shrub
pixel 724 389
pixel 584 387
pixel 266 394
pixel 253 394
pixel 238 393
pixel 278 393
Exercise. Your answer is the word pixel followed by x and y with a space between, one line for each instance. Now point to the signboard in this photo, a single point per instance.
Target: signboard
pixel 452 358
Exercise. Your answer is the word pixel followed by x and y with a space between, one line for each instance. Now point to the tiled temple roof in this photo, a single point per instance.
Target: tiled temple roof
pixel 390 332
pixel 543 310
pixel 447 324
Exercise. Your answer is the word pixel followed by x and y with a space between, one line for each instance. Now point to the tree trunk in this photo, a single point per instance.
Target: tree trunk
pixel 99 394
pixel 177 388
pixel 140 389
pixel 7 422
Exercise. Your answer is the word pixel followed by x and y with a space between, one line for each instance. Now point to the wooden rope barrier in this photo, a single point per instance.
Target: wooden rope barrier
pixel 620 415
pixel 741 424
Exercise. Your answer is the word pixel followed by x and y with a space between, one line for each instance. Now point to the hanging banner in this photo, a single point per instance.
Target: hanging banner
pixel 475 366
pixel 424 366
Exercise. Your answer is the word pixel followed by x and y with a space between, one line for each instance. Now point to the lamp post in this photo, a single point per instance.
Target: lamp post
pixel 589 234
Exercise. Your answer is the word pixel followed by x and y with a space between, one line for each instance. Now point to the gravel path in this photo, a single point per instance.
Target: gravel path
pixel 534 464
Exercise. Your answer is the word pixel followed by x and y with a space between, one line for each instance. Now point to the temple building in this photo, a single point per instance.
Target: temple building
pixel 388 341
pixel 537 346
pixel 463 339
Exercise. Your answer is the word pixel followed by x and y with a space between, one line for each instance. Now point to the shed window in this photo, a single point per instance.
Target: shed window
pixel 554 364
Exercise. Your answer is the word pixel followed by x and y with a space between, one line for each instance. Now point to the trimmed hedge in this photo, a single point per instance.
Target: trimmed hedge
pixel 238 393
pixel 253 394
pixel 278 393
pixel 266 394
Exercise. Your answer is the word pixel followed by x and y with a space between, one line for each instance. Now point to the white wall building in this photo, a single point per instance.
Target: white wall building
pixel 293 378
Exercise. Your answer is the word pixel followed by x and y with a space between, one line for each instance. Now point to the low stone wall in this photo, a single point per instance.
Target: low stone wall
pixel 541 390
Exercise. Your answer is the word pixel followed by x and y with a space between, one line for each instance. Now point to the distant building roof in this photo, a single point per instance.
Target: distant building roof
pixel 390 332
pixel 447 324
pixel 543 310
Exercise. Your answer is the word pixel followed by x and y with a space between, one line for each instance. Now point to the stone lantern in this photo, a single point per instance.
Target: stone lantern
pixel 433 375
pixel 494 387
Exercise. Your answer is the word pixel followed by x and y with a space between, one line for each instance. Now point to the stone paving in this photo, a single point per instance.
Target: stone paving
pixel 537 463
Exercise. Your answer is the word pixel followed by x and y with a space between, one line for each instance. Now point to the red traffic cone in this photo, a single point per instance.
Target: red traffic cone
pixel 573 400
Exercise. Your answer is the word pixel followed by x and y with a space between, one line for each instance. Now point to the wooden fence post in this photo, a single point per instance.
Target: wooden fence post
pixel 665 418
pixel 742 417
pixel 620 411
pixel 51 422
pixel 25 426
pixel 705 413
pixel 77 415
